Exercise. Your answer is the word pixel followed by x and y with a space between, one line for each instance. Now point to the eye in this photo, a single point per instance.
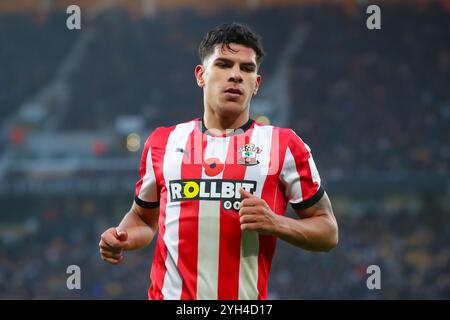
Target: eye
pixel 247 69
pixel 221 65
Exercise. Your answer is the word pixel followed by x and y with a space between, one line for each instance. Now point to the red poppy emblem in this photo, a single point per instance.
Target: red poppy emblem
pixel 213 166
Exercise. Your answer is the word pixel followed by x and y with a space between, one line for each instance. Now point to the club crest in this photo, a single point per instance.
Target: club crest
pixel 247 155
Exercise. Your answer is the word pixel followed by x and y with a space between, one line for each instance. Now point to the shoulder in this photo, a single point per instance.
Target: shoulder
pixel 290 140
pixel 287 136
pixel 161 133
pixel 285 132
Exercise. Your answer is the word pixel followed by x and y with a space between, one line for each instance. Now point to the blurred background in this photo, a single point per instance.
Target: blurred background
pixel 77 105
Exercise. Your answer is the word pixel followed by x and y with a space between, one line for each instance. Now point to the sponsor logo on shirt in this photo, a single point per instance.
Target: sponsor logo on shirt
pixel 226 191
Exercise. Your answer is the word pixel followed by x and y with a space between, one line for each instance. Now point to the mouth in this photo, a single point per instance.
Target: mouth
pixel 233 94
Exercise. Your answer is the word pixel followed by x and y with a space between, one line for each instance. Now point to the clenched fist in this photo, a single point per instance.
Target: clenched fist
pixel 112 243
pixel 256 215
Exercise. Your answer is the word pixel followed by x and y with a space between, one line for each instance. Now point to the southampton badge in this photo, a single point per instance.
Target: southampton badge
pixel 247 154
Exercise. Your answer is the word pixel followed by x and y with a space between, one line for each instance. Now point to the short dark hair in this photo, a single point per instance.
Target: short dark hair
pixel 227 33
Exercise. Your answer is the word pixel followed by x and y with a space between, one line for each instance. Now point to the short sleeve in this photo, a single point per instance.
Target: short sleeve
pixel 147 195
pixel 299 174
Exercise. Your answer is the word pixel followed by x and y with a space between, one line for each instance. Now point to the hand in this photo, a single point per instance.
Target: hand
pixel 112 243
pixel 256 215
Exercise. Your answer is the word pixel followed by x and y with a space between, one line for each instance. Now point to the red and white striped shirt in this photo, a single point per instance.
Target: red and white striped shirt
pixel 194 178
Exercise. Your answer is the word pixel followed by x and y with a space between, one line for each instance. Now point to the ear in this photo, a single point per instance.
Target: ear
pixel 258 82
pixel 199 73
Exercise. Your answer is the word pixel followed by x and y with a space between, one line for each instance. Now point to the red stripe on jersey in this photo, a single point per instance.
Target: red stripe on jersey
pixel 159 142
pixel 266 251
pixel 191 168
pixel 274 198
pixel 299 151
pixel 143 166
pixel 230 226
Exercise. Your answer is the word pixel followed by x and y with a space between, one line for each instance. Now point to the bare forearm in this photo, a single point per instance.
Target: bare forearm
pixel 140 233
pixel 317 233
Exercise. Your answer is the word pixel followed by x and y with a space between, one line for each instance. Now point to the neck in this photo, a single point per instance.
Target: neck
pixel 221 124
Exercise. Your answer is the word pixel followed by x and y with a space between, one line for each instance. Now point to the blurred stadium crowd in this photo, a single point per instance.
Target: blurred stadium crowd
pixel 409 243
pixel 367 102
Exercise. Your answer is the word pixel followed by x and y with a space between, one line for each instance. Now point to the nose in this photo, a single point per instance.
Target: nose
pixel 235 74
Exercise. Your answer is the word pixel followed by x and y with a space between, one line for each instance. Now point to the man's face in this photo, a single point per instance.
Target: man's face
pixel 229 79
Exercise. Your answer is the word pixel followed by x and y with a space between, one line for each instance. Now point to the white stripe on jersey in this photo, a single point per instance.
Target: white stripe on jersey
pixel 314 172
pixel 172 284
pixel 291 178
pixel 209 228
pixel 148 189
pixel 312 166
pixel 248 268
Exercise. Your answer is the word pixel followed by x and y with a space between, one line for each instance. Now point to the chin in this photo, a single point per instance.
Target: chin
pixel 230 108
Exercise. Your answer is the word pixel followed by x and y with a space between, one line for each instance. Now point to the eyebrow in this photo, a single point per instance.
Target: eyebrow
pixel 247 64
